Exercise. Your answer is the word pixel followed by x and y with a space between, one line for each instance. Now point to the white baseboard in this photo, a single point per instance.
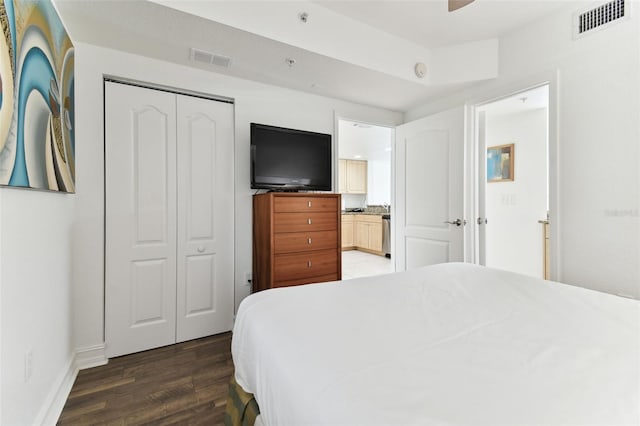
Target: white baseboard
pixel 91 356
pixel 56 399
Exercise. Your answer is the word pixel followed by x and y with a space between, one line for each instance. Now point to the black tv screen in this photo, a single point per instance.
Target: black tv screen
pixel 289 159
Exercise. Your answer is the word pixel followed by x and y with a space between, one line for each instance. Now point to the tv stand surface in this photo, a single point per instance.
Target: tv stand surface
pixel 296 190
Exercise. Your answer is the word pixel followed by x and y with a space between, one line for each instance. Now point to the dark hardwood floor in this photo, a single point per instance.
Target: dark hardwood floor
pixel 181 384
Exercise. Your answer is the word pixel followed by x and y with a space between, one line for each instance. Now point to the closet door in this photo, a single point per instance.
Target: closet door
pixel 140 216
pixel 205 218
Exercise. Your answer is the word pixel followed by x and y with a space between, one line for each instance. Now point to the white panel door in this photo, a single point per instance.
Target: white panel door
pixel 205 278
pixel 429 190
pixel 140 215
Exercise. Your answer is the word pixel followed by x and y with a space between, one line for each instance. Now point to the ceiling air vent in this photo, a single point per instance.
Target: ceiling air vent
pixel 600 16
pixel 220 60
pixel 198 55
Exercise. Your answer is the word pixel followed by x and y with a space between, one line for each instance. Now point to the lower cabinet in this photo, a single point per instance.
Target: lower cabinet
pixel 375 237
pixel 365 233
pixel 369 233
pixel 362 235
pixel 348 232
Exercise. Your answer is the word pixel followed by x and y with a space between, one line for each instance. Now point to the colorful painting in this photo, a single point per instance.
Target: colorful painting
pixel 37 143
pixel 500 163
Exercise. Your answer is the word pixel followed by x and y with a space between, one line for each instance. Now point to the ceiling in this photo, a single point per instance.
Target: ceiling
pixel 428 23
pixel 533 99
pixel 362 141
pixel 157 29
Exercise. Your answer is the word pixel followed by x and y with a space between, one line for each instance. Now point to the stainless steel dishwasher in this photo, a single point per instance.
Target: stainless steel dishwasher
pixel 386 235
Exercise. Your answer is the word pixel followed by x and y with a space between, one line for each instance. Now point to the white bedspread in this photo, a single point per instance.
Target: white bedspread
pixel 450 344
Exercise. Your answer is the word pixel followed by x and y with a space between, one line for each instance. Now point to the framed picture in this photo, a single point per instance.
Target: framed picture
pixel 500 163
pixel 37 132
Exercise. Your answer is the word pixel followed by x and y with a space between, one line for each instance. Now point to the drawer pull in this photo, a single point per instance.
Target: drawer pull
pixel 309 240
pixel 309 221
pixel 309 204
pixel 309 264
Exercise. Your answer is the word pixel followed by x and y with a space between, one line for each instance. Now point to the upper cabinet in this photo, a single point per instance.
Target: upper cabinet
pixel 352 176
pixel 342 176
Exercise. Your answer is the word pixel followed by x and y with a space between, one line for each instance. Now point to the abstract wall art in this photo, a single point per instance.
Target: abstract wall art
pixel 37 144
pixel 500 163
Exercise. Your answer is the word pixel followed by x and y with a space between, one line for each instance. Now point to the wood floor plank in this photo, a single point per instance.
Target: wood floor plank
pixel 103 387
pixel 87 409
pixel 181 384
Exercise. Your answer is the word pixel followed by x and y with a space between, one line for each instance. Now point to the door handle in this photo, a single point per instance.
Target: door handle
pixel 457 222
pixel 480 221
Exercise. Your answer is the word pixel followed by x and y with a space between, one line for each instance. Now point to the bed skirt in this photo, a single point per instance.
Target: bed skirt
pixel 242 408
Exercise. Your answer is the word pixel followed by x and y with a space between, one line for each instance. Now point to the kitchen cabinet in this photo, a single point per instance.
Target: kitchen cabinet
pixel 342 176
pixel 348 232
pixel 352 176
pixel 375 236
pixel 369 233
pixel 362 232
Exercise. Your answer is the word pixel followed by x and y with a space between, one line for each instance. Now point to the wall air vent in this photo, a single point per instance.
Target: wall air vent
pixel 198 55
pixel 600 16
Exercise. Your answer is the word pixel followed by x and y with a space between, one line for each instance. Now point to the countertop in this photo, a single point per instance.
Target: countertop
pixel 367 213
pixel 385 215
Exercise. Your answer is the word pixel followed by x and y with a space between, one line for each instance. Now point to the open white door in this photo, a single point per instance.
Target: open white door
pixel 429 168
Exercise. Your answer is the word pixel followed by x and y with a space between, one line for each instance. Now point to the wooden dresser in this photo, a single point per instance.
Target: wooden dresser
pixel 296 239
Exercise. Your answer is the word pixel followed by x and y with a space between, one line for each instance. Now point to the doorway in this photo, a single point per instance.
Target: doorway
pixel 365 182
pixel 513 186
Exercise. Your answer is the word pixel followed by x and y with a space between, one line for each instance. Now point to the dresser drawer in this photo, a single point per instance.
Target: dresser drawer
pixel 301 222
pixel 287 242
pixel 305 204
pixel 288 267
pixel 308 280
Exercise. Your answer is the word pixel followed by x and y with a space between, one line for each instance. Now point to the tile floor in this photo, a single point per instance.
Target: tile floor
pixel 360 264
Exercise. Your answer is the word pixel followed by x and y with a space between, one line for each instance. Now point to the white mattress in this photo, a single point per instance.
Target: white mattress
pixel 450 344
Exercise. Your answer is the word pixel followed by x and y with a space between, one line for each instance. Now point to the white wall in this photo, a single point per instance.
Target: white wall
pixel 379 180
pixel 254 102
pixel 35 295
pixel 513 235
pixel 598 88
pixel 373 144
pixel 350 201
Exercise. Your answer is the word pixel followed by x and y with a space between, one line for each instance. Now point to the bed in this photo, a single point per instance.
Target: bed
pixel 449 344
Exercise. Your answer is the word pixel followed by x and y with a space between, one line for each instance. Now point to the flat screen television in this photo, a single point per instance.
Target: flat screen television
pixel 289 159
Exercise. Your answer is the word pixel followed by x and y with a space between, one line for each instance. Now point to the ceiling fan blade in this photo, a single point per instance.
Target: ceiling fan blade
pixel 457 4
